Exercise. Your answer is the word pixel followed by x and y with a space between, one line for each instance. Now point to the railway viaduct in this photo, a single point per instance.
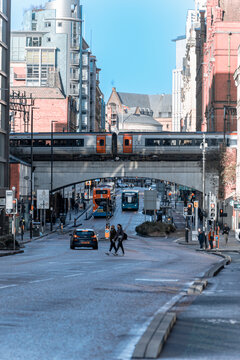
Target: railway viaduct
pixel 65 173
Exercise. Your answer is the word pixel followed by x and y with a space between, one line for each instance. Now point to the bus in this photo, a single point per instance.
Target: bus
pixel 104 200
pixel 130 200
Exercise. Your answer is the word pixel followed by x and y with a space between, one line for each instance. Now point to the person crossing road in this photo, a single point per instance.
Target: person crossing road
pixel 112 241
pixel 119 237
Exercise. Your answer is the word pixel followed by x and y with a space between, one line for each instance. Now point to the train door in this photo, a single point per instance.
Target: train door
pixel 101 144
pixel 127 144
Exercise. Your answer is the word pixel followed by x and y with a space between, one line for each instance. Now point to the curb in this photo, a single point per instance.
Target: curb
pixel 12 253
pixel 152 341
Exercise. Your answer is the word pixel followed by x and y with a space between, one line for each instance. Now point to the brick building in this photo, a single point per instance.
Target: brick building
pixel 49 105
pixel 217 63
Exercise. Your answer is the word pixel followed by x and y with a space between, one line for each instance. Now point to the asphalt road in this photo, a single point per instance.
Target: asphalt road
pixel 209 328
pixel 62 304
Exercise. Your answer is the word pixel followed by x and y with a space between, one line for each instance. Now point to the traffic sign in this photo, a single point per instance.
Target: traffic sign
pixel 236 205
pixel 9 200
pixel 43 199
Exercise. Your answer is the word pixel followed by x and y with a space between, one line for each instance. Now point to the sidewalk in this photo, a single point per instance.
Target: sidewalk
pixel 69 223
pixel 232 246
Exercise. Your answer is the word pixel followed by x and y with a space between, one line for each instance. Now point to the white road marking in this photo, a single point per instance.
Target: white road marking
pixel 158 280
pixel 72 275
pixel 7 286
pixel 42 280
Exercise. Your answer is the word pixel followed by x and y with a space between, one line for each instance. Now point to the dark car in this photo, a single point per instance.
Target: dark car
pixel 84 238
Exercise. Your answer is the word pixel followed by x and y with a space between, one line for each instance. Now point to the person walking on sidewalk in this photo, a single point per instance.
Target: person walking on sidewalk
pixel 225 232
pixel 112 241
pixel 201 238
pixel 119 236
pixel 211 237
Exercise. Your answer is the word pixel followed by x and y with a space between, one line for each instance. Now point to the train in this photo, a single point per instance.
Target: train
pixel 154 145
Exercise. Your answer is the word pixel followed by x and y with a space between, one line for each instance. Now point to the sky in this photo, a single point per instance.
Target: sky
pixel 132 40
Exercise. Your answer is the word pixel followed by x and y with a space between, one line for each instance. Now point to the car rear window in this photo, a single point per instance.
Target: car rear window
pixel 85 234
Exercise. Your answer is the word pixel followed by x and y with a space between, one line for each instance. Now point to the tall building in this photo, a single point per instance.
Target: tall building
pixel 51 47
pixel 219 60
pixel 5 8
pixel 177 83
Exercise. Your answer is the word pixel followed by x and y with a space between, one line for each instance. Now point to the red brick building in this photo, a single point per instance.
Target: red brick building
pixel 49 105
pixel 217 66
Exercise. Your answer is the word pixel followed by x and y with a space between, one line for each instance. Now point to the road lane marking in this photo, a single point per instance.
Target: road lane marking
pixel 37 281
pixel 7 286
pixel 72 275
pixel 158 280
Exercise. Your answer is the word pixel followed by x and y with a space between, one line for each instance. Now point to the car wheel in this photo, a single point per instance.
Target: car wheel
pixel 95 247
pixel 72 247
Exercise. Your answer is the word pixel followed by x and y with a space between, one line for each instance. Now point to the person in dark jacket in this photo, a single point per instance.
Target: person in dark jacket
pixel 119 236
pixel 112 241
pixel 225 232
pixel 201 238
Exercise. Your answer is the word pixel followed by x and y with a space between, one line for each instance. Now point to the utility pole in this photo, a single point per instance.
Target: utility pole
pixel 203 147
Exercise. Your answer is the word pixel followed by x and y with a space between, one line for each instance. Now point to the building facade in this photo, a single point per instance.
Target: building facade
pixel 122 105
pixel 51 47
pixel 177 83
pixel 5 10
pixel 219 61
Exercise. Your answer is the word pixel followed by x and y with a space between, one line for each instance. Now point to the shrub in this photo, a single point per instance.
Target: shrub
pixel 148 228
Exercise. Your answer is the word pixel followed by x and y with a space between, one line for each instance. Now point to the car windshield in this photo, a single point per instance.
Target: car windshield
pixel 84 233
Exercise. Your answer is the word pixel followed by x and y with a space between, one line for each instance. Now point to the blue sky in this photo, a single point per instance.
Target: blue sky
pixel 131 40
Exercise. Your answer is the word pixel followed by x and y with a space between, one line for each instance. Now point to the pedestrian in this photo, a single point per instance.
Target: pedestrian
pixel 119 237
pixel 201 238
pixel 211 237
pixel 225 232
pixel 112 241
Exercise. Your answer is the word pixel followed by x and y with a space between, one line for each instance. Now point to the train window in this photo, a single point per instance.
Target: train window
pixel 48 143
pixel 213 142
pixel 152 142
pixel 169 142
pixel 185 142
pixel 101 142
pixel 126 142
pixel 197 142
pixel 80 142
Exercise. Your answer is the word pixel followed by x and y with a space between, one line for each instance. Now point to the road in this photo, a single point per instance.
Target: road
pixel 61 304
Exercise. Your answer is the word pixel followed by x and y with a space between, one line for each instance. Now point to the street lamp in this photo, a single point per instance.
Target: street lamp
pixel 31 211
pixel 51 202
pixel 203 147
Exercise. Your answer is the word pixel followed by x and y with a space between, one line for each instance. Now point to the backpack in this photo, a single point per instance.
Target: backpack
pixel 125 236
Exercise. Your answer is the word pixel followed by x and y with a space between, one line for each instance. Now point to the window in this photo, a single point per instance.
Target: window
pixel 33 16
pixel 59 24
pixel 185 142
pixel 48 39
pixel 152 142
pixel 33 41
pixel 126 142
pixel 34 26
pixel 47 24
pixel 101 142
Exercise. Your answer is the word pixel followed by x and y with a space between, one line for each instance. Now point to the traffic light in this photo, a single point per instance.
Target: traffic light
pixel 190 209
pixel 15 206
pixel 19 208
pixel 212 210
pixel 221 212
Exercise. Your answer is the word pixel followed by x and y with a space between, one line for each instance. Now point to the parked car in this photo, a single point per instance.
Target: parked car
pixel 84 238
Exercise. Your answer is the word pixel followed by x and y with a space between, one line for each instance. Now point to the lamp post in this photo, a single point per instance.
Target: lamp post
pixel 203 148
pixel 51 197
pixel 31 199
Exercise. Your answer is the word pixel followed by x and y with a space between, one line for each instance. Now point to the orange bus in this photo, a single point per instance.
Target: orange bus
pixel 104 200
